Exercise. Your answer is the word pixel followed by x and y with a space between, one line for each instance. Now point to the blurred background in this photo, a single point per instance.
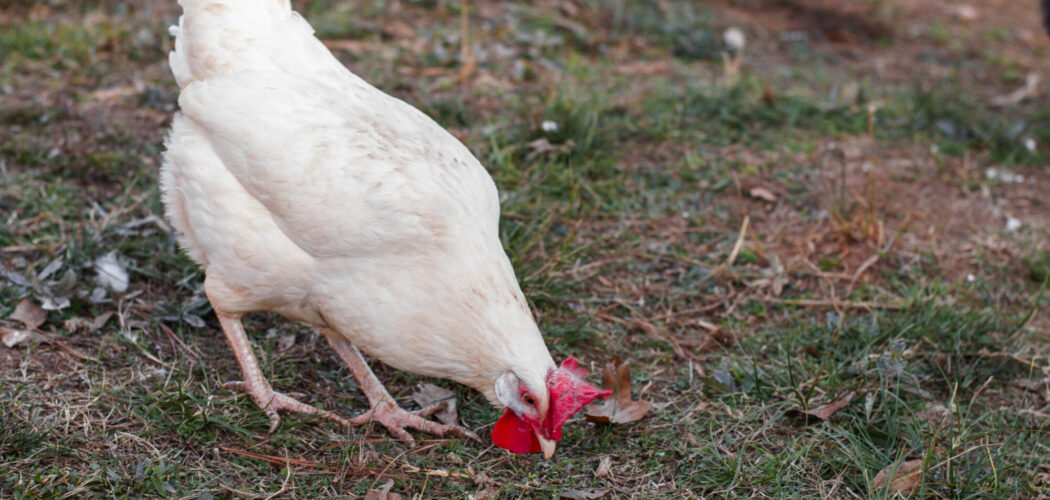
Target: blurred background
pixel 816 228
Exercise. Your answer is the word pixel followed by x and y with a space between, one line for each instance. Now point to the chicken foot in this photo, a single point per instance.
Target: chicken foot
pixel 384 409
pixel 255 384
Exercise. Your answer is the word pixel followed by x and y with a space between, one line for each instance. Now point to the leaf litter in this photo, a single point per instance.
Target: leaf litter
pixel 430 394
pixel 900 478
pixel 620 408
pixel 30 314
pixel 825 411
pixel 12 338
pixel 383 493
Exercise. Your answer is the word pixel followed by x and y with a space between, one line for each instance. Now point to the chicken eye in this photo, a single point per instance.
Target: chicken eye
pixel 528 400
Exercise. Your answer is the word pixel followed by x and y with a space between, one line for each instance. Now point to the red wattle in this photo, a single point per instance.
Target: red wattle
pixel 514 434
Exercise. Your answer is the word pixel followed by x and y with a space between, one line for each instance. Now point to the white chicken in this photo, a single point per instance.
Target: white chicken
pixel 301 189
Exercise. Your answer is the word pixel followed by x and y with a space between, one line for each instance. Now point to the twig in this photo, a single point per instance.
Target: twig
pixel 242 493
pixel 831 303
pixel 1029 411
pixel 152 357
pixel 65 347
pixel 466 61
pixel 872 176
pixel 875 257
pixel 287 477
pixel 860 270
pixel 739 243
pixel 175 339
pixel 689 312
pixel 318 468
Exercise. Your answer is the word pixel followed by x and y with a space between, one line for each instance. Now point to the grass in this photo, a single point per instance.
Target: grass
pixel 623 223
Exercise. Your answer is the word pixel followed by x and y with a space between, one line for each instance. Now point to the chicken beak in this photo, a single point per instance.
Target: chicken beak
pixel 547 446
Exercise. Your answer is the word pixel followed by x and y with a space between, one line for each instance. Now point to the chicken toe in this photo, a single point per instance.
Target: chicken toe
pixel 271 401
pixel 255 384
pixel 396 420
pixel 384 409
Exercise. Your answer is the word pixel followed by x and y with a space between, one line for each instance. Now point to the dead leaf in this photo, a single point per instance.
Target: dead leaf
pixel 824 412
pixel 639 325
pixel 73 324
pixel 762 193
pixel 604 467
pixel 488 491
pixel 383 493
pixel 12 338
pixel 768 96
pixel 774 277
pixel 101 320
pixel 937 413
pixel 429 394
pixel 30 314
pixel 285 341
pixel 903 478
pixel 620 408
pixel 54 303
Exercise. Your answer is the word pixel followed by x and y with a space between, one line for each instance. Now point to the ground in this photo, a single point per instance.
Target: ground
pixel 856 216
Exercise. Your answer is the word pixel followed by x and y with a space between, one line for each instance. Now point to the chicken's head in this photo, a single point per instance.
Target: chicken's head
pixel 534 415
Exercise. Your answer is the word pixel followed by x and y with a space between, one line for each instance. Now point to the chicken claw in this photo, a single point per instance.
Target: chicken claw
pixel 384 409
pixel 255 384
pixel 396 420
pixel 271 401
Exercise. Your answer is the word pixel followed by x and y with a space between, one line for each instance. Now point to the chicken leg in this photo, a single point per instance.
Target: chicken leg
pixel 255 384
pixel 384 409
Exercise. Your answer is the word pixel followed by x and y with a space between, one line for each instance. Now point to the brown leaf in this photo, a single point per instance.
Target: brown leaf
pixel 762 193
pixel 30 314
pixel 824 412
pixel 430 394
pixel 604 467
pixel 383 493
pixel 12 338
pixel 101 320
pixel 903 478
pixel 285 341
pixel 73 324
pixel 620 408
pixel 768 96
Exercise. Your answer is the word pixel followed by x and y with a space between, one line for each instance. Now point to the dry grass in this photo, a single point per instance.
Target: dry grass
pixel 756 248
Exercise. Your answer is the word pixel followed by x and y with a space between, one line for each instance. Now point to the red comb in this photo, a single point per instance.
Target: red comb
pixel 568 391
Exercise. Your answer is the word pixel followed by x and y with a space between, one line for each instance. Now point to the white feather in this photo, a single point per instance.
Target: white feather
pixel 304 190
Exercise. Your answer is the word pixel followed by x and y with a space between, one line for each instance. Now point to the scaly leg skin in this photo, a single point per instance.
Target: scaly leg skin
pixel 384 409
pixel 255 384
